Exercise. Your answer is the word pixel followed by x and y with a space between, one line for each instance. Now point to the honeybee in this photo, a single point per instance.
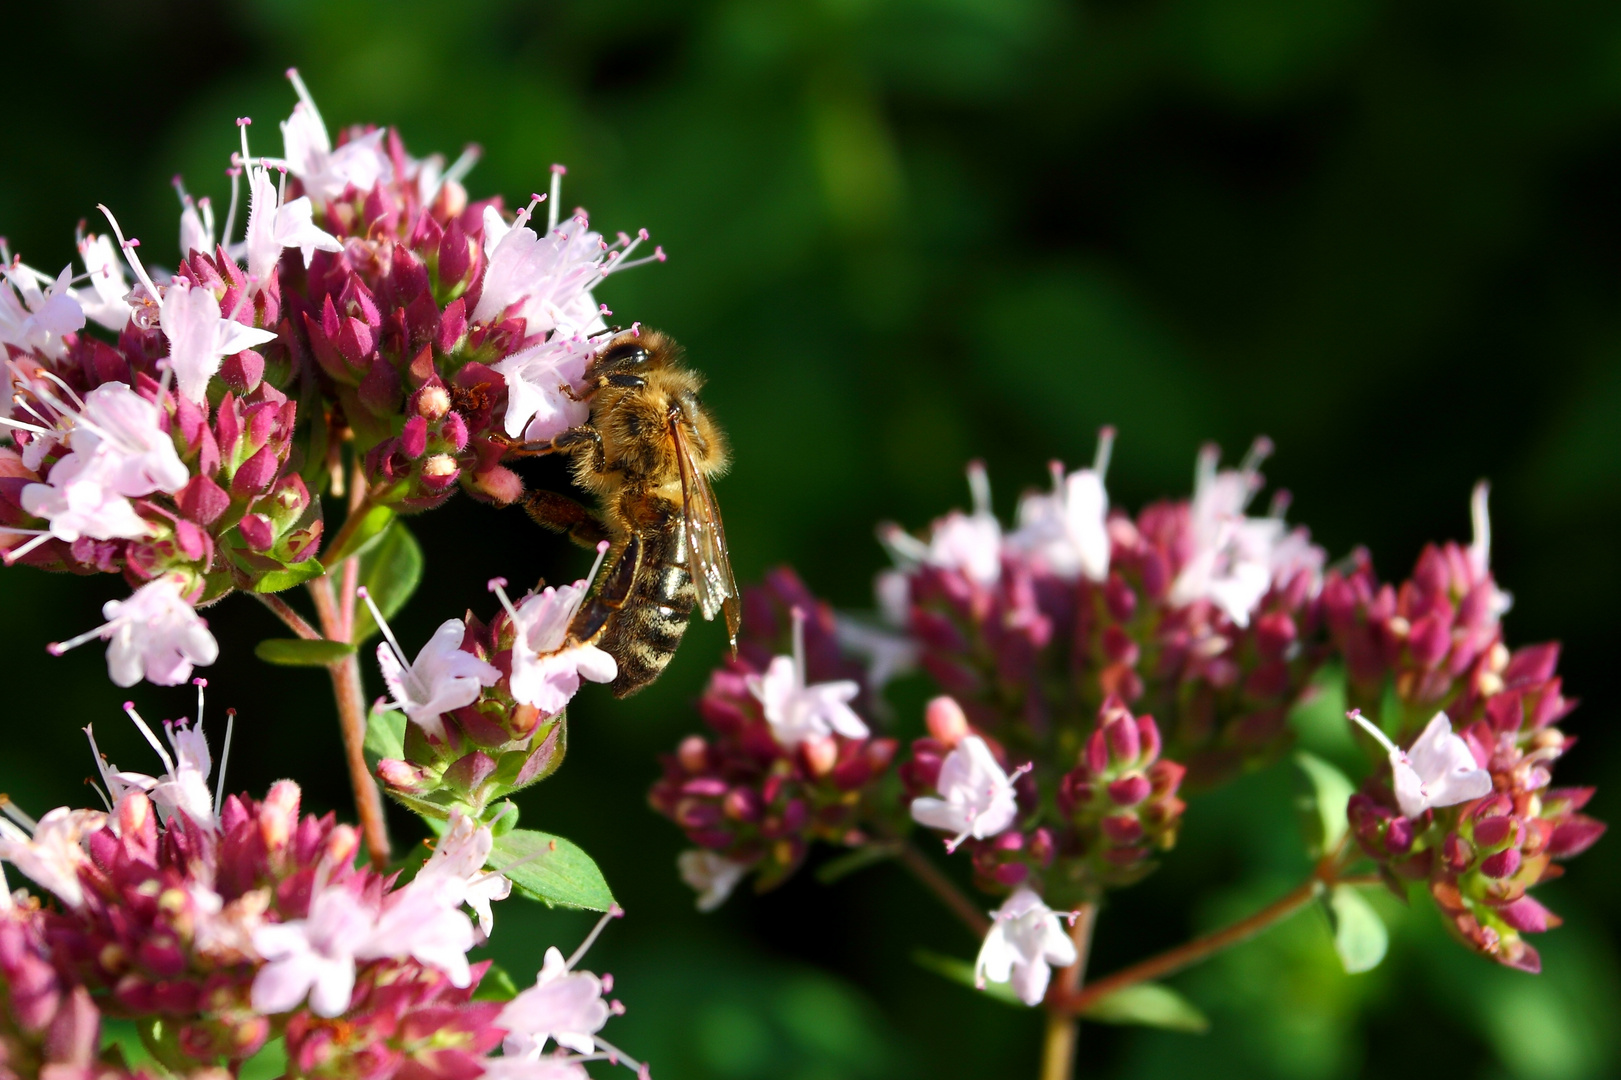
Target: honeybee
pixel 647 454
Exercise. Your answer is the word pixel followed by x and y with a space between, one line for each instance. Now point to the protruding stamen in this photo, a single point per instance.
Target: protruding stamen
pixel 225 753
pixel 556 193
pixel 590 939
pixel 498 586
pixel 902 546
pixel 1372 729
pixel 617 1056
pixel 128 248
pixel 57 648
pixel 799 647
pixel 1481 546
pixel 168 762
pixel 304 95
pixel 15 813
pixel 462 165
pixel 979 488
pixel 1100 460
pixel 16 553
pixel 382 624
pixel 230 215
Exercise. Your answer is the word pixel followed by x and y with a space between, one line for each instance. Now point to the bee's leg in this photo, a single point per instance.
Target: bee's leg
pixel 560 513
pixel 590 621
pixel 576 437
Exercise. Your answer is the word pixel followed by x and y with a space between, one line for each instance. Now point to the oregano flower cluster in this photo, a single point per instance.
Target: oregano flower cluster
pixel 1097 671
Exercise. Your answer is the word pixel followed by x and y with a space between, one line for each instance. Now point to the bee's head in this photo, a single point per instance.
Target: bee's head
pixel 633 354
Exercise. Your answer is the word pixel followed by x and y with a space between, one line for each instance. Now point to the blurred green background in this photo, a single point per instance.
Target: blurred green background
pixel 908 232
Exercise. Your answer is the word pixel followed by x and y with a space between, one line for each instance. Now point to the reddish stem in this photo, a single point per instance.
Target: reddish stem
pixel 943 887
pixel 351 698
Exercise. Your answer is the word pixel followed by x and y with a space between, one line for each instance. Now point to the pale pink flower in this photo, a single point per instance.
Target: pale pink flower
pixel 154 633
pixel 106 304
pixel 1234 560
pixel 968 543
pixel 52 856
pixel 563 1005
pixel 313 956
pixel 796 711
pixel 1437 770
pixel 977 797
pixel 123 433
pixel 1025 940
pixel 326 173
pixel 711 875
pixel 538 379
pixel 78 500
pixel 184 787
pixel 546 668
pixel 34 318
pixel 200 336
pixel 421 922
pixel 444 676
pixel 456 870
pixel 550 277
pixel 1066 533
pixel 274 225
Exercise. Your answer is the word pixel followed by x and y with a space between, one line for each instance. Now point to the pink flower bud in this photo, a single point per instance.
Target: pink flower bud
pixel 1122 828
pixel 821 754
pixel 433 401
pixel 946 721
pixel 1496 832
pixel 1129 790
pixel 693 753
pixel 1124 746
pixel 257 531
pixel 414 437
pixel 1501 865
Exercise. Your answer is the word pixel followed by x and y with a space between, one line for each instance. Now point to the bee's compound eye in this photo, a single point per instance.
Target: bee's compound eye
pixel 627 355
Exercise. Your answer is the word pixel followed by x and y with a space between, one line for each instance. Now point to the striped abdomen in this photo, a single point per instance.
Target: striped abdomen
pixel 644 633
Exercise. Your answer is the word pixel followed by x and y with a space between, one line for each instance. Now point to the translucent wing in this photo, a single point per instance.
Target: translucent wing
pixel 707 558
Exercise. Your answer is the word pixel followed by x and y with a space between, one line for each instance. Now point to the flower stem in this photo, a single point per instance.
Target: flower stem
pixel 1324 876
pixel 1063 1026
pixel 351 700
pixel 284 611
pixel 935 881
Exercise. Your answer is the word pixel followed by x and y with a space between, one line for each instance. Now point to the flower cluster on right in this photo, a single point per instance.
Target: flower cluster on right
pixel 1096 668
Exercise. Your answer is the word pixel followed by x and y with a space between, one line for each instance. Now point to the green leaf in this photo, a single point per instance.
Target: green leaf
pixel 298 652
pixel 550 869
pixel 1321 802
pixel 269 1063
pixel 1149 1005
pixel 496 985
pixel 962 972
pixel 275 581
pixel 391 570
pixel 367 533
pixel 1360 936
pixel 385 735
